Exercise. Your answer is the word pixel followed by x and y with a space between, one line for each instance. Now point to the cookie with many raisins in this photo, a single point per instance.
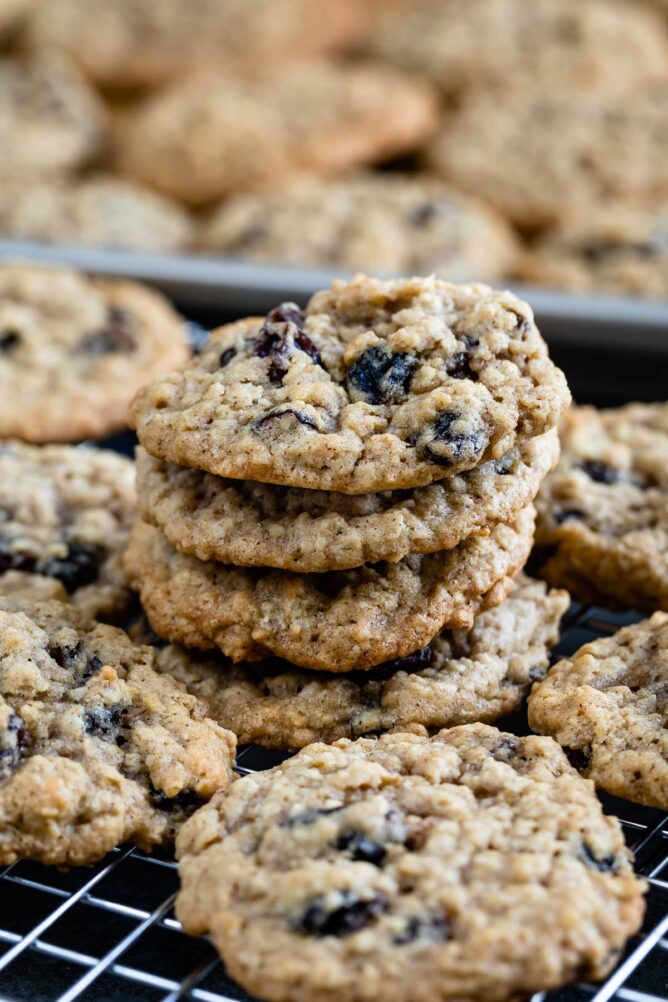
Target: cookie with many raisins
pixel 376 386
pixel 333 622
pixel 65 518
pixel 607 704
pixel 96 747
pixel 602 529
pixel 74 350
pixel 462 676
pixel 472 865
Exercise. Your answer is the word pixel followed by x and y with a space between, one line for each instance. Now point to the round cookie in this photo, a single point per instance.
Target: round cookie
pixel 96 747
pixel 499 43
pixel 462 676
pixel 51 122
pixel 65 518
pixel 210 135
pixel 377 386
pixel 73 351
pixel 332 622
pixel 540 157
pixel 476 863
pixel 607 705
pixel 602 529
pixel 250 524
pixel 614 248
pixel 140 43
pixel 100 211
pixel 381 223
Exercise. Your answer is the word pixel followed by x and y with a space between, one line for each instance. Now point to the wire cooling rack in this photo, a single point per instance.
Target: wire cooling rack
pixel 109 934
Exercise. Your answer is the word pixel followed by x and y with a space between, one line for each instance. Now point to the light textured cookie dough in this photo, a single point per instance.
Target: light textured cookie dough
pixel 509 43
pixel 381 223
pixel 614 248
pixel 541 157
pixel 472 865
pixel 607 704
pixel 74 350
pixel 379 385
pixel 461 677
pixel 96 747
pixel 141 43
pixel 65 518
pixel 259 525
pixel 100 212
pixel 332 622
pixel 51 122
pixel 210 135
pixel 602 529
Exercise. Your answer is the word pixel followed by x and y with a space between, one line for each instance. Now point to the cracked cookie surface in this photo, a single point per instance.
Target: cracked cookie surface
pixel 332 622
pixel 377 386
pixel 607 705
pixel 96 747
pixel 370 869
pixel 463 676
pixel 65 519
pixel 602 528
pixel 261 525
pixel 74 350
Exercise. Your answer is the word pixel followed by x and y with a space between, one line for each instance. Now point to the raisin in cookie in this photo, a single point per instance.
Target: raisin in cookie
pixel 381 223
pixel 65 517
pixel 96 747
pixel 377 386
pixel 476 863
pixel 51 122
pixel 74 350
pixel 140 43
pixel 100 212
pixel 615 248
pixel 493 43
pixel 539 157
pixel 332 622
pixel 260 525
pixel 209 135
pixel 603 513
pixel 462 676
pixel 607 704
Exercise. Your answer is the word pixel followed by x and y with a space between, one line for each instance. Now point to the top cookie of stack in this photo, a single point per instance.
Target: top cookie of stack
pixel 397 431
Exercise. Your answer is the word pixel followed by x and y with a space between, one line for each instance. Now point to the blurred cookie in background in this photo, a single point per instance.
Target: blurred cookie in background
pixel 541 157
pixel 615 248
pixel 51 122
pixel 74 350
pixel 211 135
pixel 605 44
pixel 141 43
pixel 101 211
pixel 382 223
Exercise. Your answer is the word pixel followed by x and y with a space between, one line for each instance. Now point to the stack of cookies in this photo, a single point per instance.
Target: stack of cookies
pixel 346 489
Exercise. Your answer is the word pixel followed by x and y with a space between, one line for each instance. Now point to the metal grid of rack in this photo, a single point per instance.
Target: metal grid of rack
pixel 109 933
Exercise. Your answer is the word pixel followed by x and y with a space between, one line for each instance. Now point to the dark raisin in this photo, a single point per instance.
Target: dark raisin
pixel 281 412
pixel 310 815
pixel 602 473
pixel 504 464
pixel 381 376
pixel 458 446
pixel 507 748
pixel 65 655
pixel 537 674
pixel 80 567
pixel 579 758
pixel 286 313
pixel 184 802
pixel 428 928
pixel 226 357
pixel 279 335
pixel 93 666
pixel 118 334
pixel 103 721
pixel 12 742
pixel 361 848
pixel 568 515
pixel 351 916
pixel 9 340
pixel 410 664
pixel 608 864
pixel 459 366
pixel 11 560
pixel 197 337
